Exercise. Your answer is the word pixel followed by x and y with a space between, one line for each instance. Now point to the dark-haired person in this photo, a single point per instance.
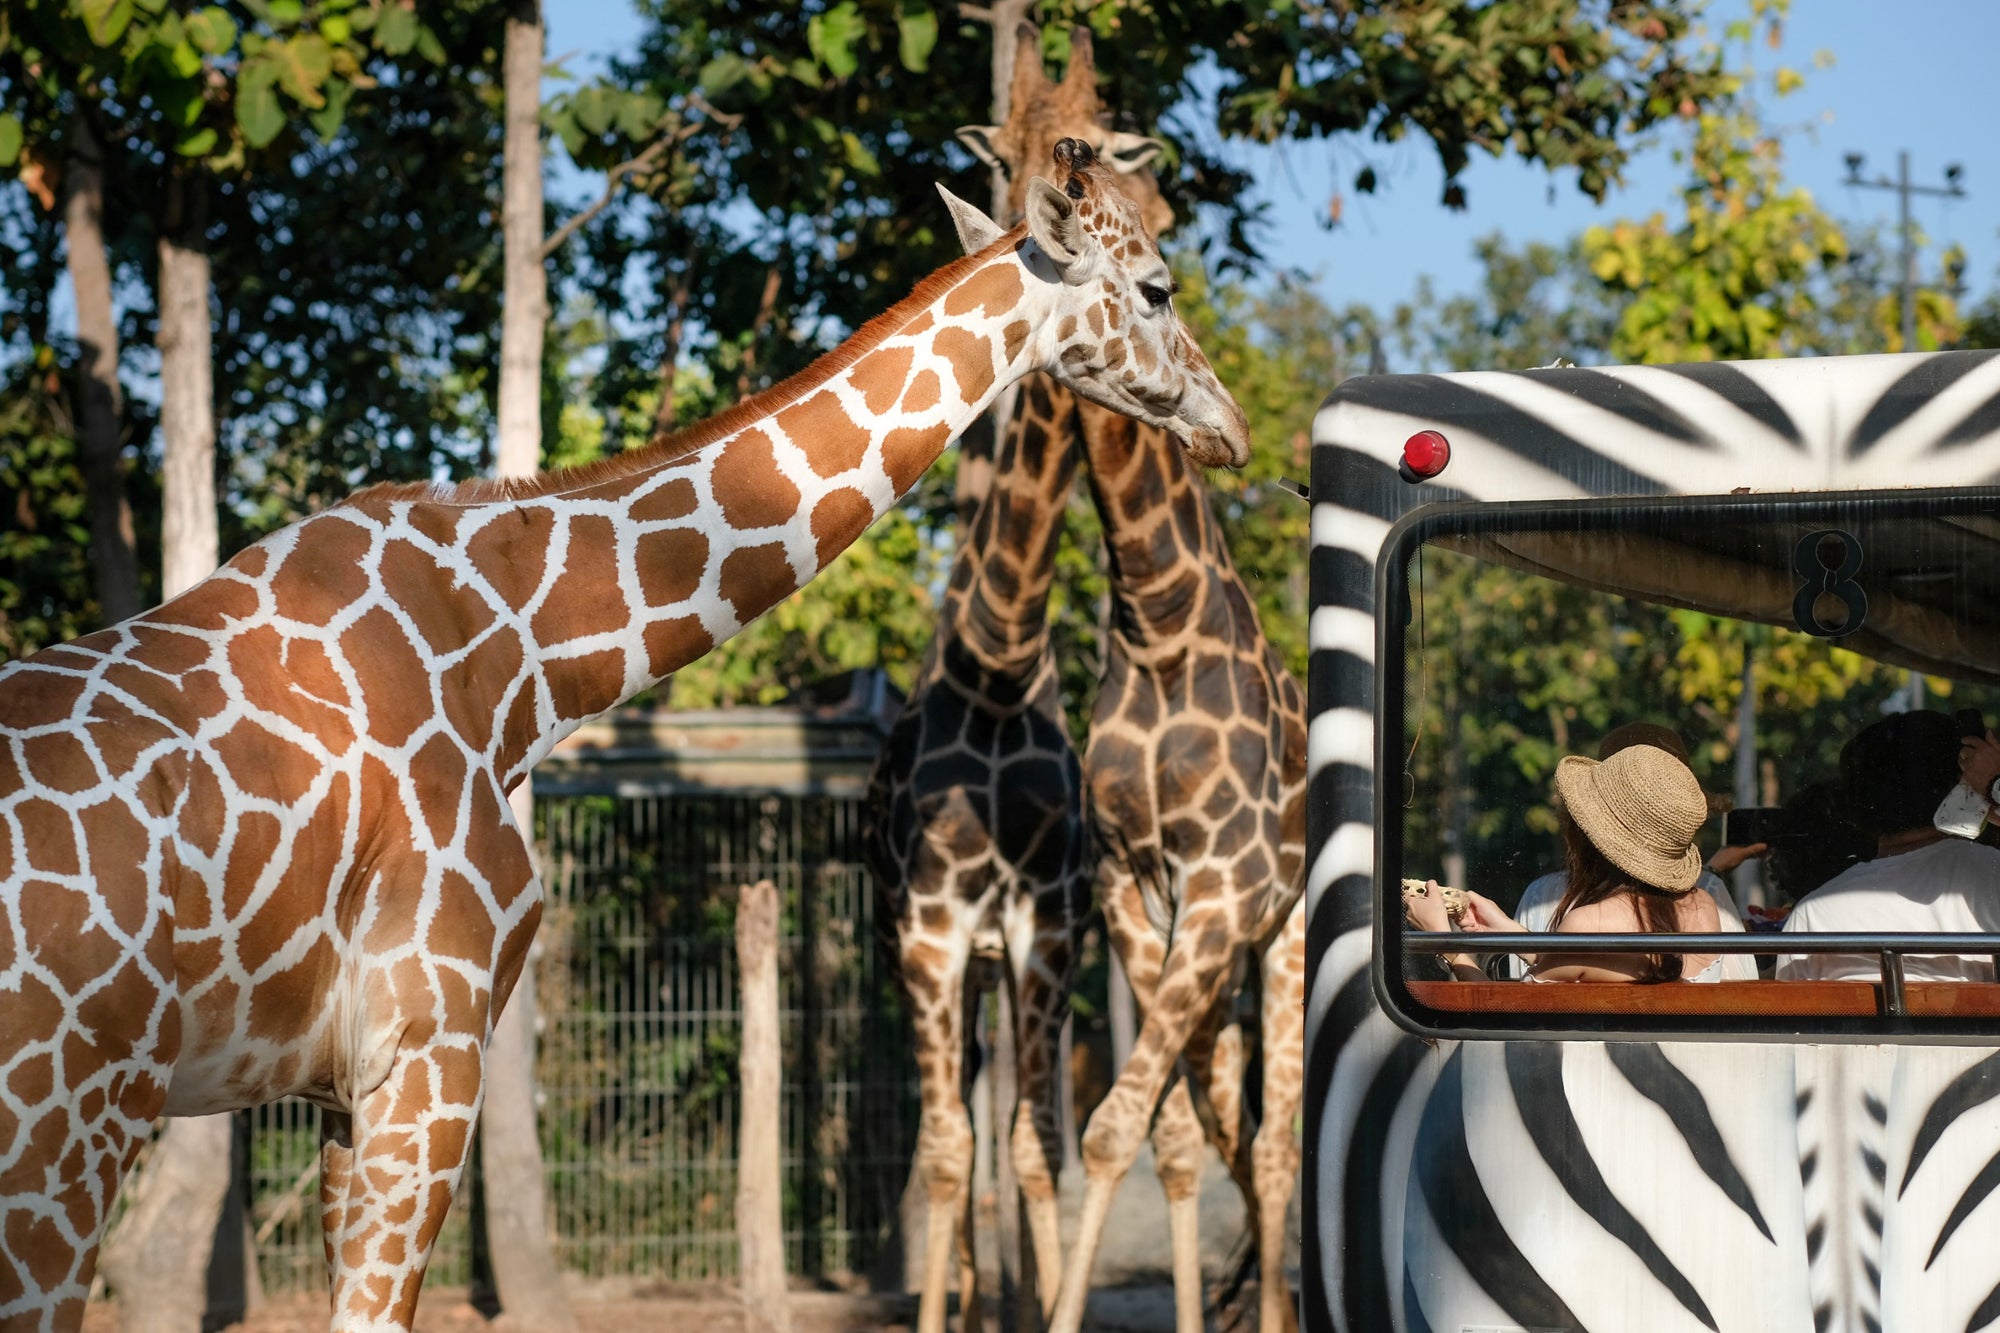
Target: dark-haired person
pixel 1540 899
pixel 1921 879
pixel 1629 824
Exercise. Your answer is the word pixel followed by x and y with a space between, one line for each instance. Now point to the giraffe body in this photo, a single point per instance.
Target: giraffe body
pixel 1195 782
pixel 977 844
pixel 1195 768
pixel 978 839
pixel 256 841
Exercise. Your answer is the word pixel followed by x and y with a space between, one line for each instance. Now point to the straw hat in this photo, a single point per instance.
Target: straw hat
pixel 1641 808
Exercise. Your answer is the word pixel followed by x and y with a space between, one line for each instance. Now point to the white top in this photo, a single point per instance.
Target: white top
pixel 1951 885
pixel 1541 898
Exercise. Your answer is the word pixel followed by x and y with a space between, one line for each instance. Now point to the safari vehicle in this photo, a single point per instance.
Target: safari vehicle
pixel 1504 566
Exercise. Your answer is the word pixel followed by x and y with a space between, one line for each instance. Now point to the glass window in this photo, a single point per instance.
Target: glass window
pixel 1793 677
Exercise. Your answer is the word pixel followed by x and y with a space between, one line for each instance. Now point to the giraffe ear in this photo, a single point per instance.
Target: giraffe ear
pixel 1128 153
pixel 976 231
pixel 978 139
pixel 1052 222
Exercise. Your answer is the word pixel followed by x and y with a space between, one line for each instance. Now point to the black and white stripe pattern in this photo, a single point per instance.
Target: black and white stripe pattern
pixel 1620 1187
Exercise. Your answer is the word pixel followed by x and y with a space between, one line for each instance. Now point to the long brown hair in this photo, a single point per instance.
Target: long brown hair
pixel 1593 878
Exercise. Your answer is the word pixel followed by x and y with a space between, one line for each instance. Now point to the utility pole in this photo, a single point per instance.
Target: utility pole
pixel 1905 228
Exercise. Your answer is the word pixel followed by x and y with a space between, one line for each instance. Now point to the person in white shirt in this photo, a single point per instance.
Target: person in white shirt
pixel 1921 880
pixel 1539 900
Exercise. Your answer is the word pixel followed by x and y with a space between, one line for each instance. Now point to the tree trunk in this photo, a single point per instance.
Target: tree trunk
pixel 114 554
pixel 760 1218
pixel 525 308
pixel 189 547
pixel 518 1244
pixel 517 1228
pixel 157 1260
pixel 977 449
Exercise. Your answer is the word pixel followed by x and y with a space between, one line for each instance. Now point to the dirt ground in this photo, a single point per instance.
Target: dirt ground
pixel 1134 1309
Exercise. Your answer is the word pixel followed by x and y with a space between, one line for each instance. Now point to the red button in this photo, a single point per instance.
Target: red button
pixel 1425 454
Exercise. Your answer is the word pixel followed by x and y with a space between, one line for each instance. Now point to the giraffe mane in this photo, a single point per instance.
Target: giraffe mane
pixel 666 447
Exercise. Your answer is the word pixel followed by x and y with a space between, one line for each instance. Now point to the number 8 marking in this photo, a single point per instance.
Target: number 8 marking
pixel 1822 578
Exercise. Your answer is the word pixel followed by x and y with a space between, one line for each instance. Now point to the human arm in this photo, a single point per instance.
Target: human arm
pixel 1426 911
pixel 1727 859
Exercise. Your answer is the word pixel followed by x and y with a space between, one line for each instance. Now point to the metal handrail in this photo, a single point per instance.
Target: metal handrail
pixel 1803 941
pixel 1888 948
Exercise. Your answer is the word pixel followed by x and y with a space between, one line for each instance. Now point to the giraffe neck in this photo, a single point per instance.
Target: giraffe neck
pixel 995 619
pixel 617 575
pixel 1163 546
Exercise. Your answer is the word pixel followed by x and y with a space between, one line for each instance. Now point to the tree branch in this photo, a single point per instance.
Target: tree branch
pixel 644 161
pixel 976 13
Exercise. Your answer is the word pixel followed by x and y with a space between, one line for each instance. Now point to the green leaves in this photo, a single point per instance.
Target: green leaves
pixel 211 30
pixel 105 20
pixel 396 30
pixel 917 33
pixel 832 37
pixel 258 114
pixel 10 139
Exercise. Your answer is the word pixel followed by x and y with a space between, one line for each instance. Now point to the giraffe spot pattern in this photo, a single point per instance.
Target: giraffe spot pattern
pixel 970 356
pixel 992 291
pixel 752 491
pixel 671 561
pixel 583 602
pixel 828 432
pixel 754 577
pixel 838 518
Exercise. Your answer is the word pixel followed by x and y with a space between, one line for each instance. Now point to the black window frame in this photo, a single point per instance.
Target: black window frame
pixel 1407 535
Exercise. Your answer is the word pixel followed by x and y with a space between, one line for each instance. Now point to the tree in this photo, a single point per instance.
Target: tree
pixel 524 1262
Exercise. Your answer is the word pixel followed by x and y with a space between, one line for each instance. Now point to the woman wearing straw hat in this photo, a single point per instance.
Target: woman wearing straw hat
pixel 1629 824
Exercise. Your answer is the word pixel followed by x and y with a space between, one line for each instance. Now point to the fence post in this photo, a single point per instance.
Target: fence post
pixel 760 1220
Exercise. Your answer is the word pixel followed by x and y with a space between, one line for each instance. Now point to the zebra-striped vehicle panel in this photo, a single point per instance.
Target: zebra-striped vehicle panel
pixel 1620 1187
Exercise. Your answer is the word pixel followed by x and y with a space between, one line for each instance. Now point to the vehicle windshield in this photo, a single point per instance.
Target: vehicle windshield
pixel 1765 645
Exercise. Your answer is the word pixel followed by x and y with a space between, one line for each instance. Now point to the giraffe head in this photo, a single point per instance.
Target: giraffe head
pixel 1114 338
pixel 1040 113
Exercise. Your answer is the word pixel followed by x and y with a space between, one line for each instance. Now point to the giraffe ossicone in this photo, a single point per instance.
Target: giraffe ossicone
pixel 256 841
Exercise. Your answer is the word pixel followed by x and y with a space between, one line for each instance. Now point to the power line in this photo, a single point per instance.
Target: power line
pixel 1906 228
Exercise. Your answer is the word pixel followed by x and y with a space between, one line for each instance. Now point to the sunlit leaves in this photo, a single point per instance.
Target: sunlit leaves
pixel 917 33
pixel 833 36
pixel 211 30
pixel 10 140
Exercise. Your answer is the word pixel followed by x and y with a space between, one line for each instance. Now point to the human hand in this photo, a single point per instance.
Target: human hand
pixel 1426 910
pixel 1727 859
pixel 1979 762
pixel 1483 914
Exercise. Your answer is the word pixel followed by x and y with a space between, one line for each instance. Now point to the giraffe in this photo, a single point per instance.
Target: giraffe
pixel 1188 666
pixel 256 841
pixel 977 839
pixel 1195 767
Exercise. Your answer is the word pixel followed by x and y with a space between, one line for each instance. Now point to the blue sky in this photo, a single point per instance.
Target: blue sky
pixel 1906 75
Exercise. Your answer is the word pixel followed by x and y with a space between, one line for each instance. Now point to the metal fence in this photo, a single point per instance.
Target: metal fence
pixel 646 827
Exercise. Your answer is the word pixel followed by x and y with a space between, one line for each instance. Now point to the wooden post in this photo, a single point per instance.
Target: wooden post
pixel 760 1218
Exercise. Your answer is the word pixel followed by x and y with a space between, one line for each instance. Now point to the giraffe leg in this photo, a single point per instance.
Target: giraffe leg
pixel 87 1046
pixel 1276 1152
pixel 1177 1158
pixel 1190 981
pixel 937 986
pixel 1043 961
pixel 336 1174
pixel 56 1191
pixel 388 1177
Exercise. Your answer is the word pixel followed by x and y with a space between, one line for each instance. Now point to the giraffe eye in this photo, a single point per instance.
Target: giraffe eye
pixel 1156 296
